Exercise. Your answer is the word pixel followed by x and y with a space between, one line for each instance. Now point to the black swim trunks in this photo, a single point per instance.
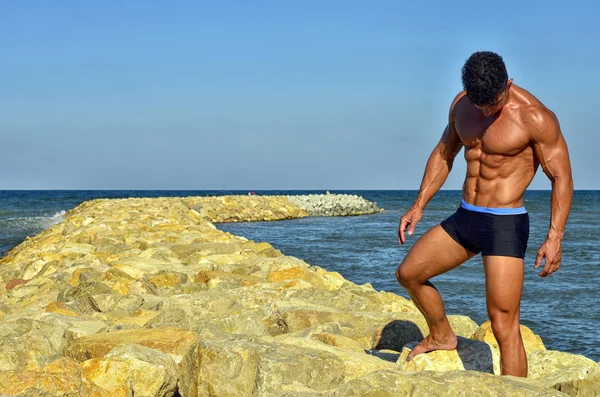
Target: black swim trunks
pixel 491 231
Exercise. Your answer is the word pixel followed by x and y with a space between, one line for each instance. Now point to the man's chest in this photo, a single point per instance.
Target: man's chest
pixel 494 136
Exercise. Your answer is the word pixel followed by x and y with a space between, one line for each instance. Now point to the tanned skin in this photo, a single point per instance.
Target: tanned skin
pixel 504 144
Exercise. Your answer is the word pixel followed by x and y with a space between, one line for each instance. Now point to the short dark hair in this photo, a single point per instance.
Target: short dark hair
pixel 484 77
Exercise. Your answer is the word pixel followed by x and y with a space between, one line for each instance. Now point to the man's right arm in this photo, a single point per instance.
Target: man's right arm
pixel 436 172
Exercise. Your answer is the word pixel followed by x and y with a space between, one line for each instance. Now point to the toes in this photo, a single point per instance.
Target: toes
pixel 416 350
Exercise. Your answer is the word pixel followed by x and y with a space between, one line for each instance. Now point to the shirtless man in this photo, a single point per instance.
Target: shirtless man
pixel 507 133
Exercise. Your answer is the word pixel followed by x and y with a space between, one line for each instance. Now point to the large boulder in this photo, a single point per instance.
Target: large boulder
pixel 175 341
pixel 554 368
pixel 427 384
pixel 588 387
pixel 244 367
pixel 468 355
pixel 131 369
pixel 27 344
pixel 62 377
pixel 531 341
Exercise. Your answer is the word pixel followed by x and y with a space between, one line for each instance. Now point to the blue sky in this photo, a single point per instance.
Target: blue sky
pixel 271 94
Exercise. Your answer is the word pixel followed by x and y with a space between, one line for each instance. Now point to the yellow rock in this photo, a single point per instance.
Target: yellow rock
pixel 297 284
pixel 246 283
pixel 33 269
pixel 589 387
pixel 134 370
pixel 462 325
pixel 131 269
pixel 469 355
pixel 432 384
pixel 145 250
pixel 52 239
pixel 111 374
pixel 288 274
pixel 79 249
pixel 338 341
pixel 107 257
pixel 52 256
pixel 61 308
pixel 167 280
pixel 395 303
pixel 355 363
pixel 531 341
pixel 170 340
pixel 553 368
pixel 140 318
pixel 205 276
pixel 119 281
pixel 74 280
pixel 60 377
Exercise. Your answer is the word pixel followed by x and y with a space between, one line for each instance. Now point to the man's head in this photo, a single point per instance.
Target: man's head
pixel 485 80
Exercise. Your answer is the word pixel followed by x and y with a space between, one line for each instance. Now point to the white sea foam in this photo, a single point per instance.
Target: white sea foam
pixel 57 217
pixel 34 224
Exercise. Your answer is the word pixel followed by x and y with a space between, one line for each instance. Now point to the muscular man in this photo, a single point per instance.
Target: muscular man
pixel 506 133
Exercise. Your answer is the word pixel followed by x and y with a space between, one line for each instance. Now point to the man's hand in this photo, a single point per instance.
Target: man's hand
pixel 409 220
pixel 552 251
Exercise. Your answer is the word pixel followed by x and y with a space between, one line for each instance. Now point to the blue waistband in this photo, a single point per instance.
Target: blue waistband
pixel 495 211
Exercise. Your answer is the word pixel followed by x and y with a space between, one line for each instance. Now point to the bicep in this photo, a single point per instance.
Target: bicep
pixel 450 143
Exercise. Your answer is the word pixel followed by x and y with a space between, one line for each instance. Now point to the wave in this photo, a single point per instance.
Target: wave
pixel 33 224
pixel 57 217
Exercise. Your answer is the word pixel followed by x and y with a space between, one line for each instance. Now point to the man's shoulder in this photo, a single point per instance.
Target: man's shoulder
pixel 536 117
pixel 531 111
pixel 458 102
pixel 460 97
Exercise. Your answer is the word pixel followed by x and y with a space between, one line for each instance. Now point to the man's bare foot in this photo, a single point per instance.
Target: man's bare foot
pixel 430 344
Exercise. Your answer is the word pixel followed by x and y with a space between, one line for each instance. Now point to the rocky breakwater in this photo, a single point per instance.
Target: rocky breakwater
pixel 334 204
pixel 147 297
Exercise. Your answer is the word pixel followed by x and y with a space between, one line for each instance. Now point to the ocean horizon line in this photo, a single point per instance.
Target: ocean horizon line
pixel 256 190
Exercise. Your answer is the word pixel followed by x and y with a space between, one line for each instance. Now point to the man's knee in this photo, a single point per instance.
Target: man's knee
pixel 505 326
pixel 405 277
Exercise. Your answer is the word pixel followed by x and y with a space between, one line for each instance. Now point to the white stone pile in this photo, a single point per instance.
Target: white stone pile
pixel 335 204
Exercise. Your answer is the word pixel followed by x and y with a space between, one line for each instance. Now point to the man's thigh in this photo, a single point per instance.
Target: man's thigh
pixel 504 284
pixel 434 253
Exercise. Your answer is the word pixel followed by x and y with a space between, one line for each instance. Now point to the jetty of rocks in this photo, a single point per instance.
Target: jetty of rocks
pixel 334 204
pixel 146 297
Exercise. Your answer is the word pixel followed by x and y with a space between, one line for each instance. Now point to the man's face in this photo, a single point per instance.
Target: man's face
pixel 495 107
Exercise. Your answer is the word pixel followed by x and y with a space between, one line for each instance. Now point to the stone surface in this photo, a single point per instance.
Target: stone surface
pixel 133 370
pixel 171 340
pixel 241 368
pixel 531 341
pixel 147 297
pixel 334 204
pixel 62 377
pixel 427 384
pixel 588 387
pixel 61 308
pixel 553 368
pixel 468 355
pixel 72 327
pixel 29 344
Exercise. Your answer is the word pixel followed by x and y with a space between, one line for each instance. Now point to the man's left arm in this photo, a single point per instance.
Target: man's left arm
pixel 553 155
